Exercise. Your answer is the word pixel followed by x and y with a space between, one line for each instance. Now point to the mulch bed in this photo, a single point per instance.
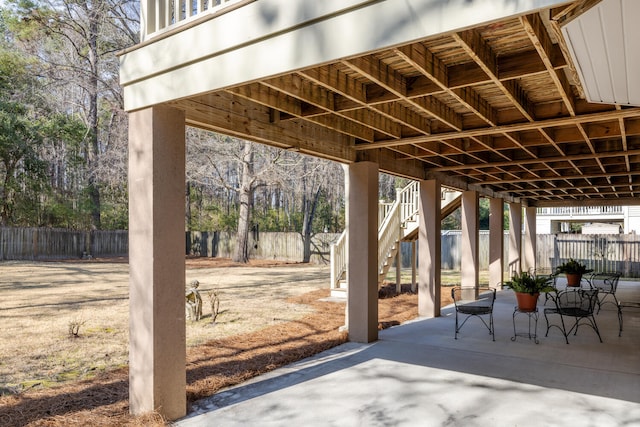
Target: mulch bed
pixel 103 400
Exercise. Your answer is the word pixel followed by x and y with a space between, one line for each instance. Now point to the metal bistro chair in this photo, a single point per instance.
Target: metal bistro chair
pixel 574 303
pixel 478 307
pixel 606 284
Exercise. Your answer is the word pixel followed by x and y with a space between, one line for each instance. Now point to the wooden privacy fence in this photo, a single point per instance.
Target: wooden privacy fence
pixel 600 252
pixel 450 250
pixel 264 245
pixel 50 243
pixel 55 243
pixel 610 252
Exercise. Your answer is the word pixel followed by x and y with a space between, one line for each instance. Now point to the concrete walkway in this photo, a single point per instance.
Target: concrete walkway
pixel 416 374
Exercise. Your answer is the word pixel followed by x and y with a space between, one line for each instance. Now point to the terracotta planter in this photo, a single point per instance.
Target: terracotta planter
pixel 573 279
pixel 527 302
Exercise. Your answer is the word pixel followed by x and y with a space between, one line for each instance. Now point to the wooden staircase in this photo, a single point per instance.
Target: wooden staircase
pixel 397 223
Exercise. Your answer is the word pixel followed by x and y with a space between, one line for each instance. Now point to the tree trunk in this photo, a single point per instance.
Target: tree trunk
pixel 94 150
pixel 187 210
pixel 245 196
pixel 309 207
pixel 6 195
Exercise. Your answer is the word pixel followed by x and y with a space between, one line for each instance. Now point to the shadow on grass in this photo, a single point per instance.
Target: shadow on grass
pixel 210 367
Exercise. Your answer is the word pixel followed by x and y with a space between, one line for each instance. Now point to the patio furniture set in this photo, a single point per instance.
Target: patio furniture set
pixel 565 307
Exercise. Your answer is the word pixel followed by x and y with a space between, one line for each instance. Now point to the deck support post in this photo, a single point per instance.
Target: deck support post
pixel 157 348
pixel 469 268
pixel 362 270
pixel 529 244
pixel 429 249
pixel 414 259
pixel 496 241
pixel 515 237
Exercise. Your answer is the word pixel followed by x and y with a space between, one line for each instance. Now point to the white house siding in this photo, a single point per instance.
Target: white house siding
pixel 632 220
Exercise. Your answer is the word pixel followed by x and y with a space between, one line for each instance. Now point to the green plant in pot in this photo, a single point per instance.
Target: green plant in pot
pixel 527 288
pixel 573 270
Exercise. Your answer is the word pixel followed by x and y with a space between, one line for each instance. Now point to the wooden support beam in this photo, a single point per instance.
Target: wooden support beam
pixel 480 51
pixel 516 127
pixel 584 176
pixel 541 40
pixel 381 74
pixel 335 80
pixel 235 116
pixel 430 66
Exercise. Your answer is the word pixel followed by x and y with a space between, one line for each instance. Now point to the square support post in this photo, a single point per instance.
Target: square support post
pixel 515 238
pixel 414 262
pixel 429 249
pixel 399 267
pixel 469 268
pixel 529 245
pixel 157 348
pixel 362 270
pixel 496 242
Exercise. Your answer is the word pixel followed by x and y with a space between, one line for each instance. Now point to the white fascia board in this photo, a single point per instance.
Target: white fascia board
pixel 243 26
pixel 277 36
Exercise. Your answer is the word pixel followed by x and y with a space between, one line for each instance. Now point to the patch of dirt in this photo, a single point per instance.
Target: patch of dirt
pixel 211 366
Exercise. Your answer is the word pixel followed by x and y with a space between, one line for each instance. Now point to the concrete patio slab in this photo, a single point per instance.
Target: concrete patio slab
pixel 418 374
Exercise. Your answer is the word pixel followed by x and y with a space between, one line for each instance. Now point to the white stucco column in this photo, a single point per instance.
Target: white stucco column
pixel 515 237
pixel 529 244
pixel 429 249
pixel 362 269
pixel 157 348
pixel 469 266
pixel 496 241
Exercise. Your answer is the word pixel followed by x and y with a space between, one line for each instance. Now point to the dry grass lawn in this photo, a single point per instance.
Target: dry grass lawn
pixel 40 301
pixel 270 315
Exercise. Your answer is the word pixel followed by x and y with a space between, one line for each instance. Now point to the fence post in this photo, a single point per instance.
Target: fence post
pixel 88 243
pixel 35 244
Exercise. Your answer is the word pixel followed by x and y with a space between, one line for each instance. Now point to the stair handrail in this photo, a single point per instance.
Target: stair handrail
pixel 383 210
pixel 390 217
pixel 388 234
pixel 408 198
pixel 338 260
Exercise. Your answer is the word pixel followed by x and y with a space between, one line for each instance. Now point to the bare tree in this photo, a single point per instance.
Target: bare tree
pixel 239 167
pixel 309 180
pixel 78 40
pixel 262 182
pixel 245 197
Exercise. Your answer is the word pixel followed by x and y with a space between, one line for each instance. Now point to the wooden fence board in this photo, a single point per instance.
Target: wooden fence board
pixel 265 245
pixel 612 252
pixel 52 243
pixel 603 253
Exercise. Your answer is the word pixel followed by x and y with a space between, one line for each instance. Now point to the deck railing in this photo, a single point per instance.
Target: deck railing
pixel 157 16
pixel 581 210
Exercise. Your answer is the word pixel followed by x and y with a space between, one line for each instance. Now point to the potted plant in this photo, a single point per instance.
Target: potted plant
pixel 573 270
pixel 527 288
